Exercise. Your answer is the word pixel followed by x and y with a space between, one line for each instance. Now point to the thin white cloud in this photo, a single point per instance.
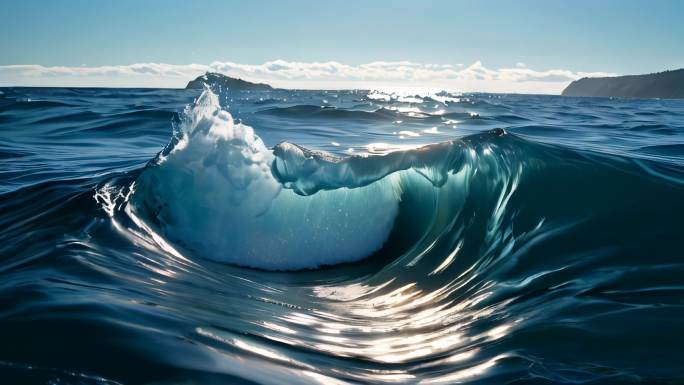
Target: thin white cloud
pixel 281 73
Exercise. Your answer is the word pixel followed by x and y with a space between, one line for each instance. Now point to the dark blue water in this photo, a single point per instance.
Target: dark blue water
pixel 339 237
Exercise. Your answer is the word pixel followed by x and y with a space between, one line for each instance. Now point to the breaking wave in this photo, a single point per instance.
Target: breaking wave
pixel 217 191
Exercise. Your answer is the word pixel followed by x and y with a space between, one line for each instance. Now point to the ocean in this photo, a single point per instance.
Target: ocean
pixel 158 236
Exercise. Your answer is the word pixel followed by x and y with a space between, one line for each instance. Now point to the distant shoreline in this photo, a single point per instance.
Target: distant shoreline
pixel 660 85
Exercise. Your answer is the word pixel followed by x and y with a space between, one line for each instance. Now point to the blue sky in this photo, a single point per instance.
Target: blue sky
pixel 608 36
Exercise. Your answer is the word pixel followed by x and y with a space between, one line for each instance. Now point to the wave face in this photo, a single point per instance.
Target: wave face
pixel 339 237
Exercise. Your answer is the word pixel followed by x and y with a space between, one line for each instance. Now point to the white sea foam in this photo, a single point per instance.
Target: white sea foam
pixel 213 193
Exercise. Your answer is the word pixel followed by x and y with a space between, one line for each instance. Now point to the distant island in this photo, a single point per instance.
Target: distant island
pixel 214 78
pixel 663 85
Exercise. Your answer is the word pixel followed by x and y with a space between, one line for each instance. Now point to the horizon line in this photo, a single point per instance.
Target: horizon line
pixel 330 75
